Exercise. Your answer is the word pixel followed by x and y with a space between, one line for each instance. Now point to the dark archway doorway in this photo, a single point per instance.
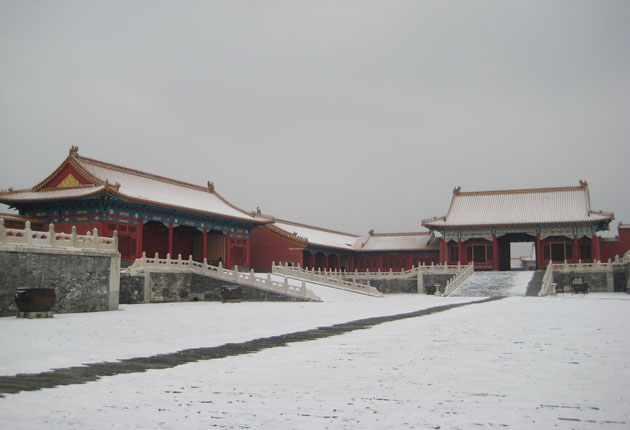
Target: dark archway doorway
pixel 505 242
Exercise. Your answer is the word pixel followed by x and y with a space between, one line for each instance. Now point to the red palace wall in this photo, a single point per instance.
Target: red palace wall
pixel 610 248
pixel 267 247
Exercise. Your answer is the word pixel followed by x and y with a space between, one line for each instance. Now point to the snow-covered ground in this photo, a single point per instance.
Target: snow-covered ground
pixel 521 362
pixel 29 346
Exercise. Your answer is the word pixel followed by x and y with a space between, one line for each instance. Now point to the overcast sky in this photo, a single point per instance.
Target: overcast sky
pixel 349 115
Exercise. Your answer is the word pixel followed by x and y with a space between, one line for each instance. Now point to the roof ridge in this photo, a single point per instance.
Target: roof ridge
pixel 520 191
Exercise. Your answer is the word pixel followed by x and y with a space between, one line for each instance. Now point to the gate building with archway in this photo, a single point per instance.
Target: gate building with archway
pixel 480 226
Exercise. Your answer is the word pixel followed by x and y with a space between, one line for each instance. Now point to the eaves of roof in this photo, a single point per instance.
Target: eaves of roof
pixel 565 222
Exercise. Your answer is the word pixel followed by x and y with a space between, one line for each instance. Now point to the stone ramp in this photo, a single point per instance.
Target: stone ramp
pixel 495 284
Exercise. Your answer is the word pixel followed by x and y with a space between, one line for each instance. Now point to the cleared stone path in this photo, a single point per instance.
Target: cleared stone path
pixel 95 371
pixel 492 284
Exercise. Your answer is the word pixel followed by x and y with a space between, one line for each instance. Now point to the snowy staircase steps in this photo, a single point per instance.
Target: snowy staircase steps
pixel 493 284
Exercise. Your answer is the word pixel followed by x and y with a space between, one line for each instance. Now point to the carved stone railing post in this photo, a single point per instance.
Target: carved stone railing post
pixel 75 239
pixel 27 232
pixel 115 237
pixel 95 238
pixel 51 234
pixel 235 272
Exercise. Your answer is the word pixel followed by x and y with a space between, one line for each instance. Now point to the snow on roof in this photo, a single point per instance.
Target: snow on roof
pixel 318 236
pixel 529 206
pixel 396 242
pixel 374 242
pixel 156 189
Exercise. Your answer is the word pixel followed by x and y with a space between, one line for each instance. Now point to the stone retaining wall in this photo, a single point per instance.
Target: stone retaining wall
pixel 394 286
pixel 131 289
pixel 409 284
pixel 435 278
pixel 84 280
pixel 163 287
pixel 598 282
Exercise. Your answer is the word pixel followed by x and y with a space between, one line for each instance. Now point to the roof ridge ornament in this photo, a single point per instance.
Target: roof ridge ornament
pixel 457 190
pixel 74 150
pixel 583 183
pixel 211 186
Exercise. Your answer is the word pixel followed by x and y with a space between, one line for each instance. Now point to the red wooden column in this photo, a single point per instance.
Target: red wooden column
pixel 248 261
pixel 326 262
pixel 576 254
pixel 459 250
pixel 139 247
pixel 170 239
pixel 228 254
pixel 595 242
pixel 539 256
pixel 495 252
pixel 204 246
pixel 443 251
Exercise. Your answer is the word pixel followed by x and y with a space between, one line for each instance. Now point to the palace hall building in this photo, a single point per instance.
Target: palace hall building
pixel 150 213
pixel 479 226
